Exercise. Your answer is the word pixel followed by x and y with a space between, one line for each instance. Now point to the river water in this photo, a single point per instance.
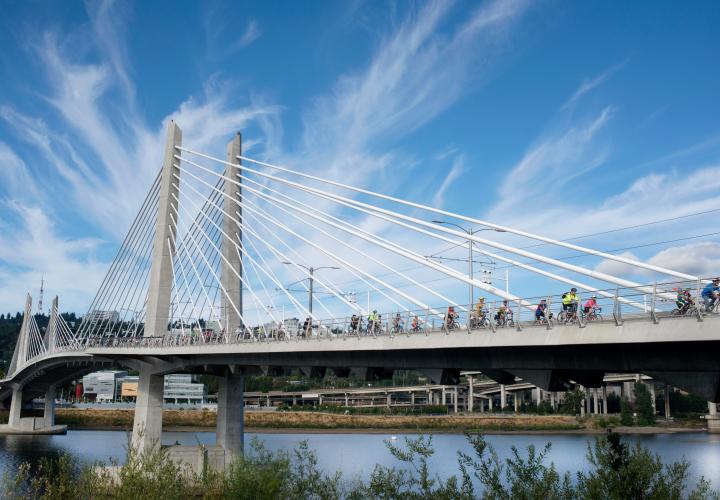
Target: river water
pixel 356 454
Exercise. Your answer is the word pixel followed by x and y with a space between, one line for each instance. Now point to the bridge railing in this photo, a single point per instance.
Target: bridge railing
pixel 651 303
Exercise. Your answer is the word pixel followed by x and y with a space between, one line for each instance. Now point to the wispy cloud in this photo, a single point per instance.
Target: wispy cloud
pixel 590 84
pixel 456 170
pixel 252 33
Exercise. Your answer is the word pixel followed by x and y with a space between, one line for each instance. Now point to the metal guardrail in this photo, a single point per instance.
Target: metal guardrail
pixel 654 303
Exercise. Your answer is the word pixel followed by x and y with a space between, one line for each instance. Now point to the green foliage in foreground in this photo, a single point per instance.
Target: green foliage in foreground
pixel 617 472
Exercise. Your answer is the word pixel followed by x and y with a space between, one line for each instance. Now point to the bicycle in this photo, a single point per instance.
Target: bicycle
pixel 504 320
pixel 568 315
pixel 594 314
pixel 479 322
pixel 542 320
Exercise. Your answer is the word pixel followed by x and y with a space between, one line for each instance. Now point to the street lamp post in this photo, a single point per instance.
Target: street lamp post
pixel 470 232
pixel 311 271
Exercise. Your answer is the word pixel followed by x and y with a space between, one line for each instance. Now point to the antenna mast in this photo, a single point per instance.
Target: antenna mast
pixel 42 284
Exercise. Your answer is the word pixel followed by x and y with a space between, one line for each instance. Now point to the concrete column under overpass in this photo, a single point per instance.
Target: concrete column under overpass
pixel 15 408
pixel 230 426
pixel 147 424
pixel 49 412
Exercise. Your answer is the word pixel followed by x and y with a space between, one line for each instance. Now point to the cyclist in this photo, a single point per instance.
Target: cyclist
pixel 480 311
pixel 710 294
pixel 540 310
pixel 683 301
pixel 450 318
pixel 397 324
pixel 415 324
pixel 590 305
pixel 570 303
pixel 354 323
pixel 502 313
pixel 373 321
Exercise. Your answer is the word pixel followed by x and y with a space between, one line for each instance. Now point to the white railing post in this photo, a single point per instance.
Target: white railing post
pixel 653 314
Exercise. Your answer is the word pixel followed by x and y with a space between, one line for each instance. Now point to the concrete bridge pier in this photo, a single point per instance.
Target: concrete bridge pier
pixel 49 411
pixel 17 424
pixel 713 419
pixel 147 424
pixel 230 427
pixel 15 408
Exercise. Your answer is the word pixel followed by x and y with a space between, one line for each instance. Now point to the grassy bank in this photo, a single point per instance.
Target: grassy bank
pixel 76 418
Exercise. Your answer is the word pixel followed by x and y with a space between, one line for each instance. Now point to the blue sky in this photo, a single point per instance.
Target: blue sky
pixel 564 118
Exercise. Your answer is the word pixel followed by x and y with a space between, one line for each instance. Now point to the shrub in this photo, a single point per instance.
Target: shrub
pixel 626 416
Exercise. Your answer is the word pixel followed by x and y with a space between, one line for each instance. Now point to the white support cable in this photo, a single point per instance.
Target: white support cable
pixel 352 271
pixel 238 223
pixel 237 248
pixel 330 286
pixel 242 280
pixel 124 246
pixel 343 299
pixel 558 277
pixel 192 264
pixel 292 299
pixel 137 232
pixel 330 290
pixel 489 254
pixel 217 279
pixel 137 261
pixel 201 277
pixel 187 287
pixel 259 303
pixel 472 220
pixel 218 252
pixel 259 279
pixel 205 274
pixel 355 229
pixel 204 247
pixel 140 281
pixel 377 210
pixel 444 269
pixel 269 272
pixel 174 289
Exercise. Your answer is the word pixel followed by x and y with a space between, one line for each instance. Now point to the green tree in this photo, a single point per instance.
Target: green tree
pixel 619 472
pixel 626 415
pixel 572 401
pixel 644 404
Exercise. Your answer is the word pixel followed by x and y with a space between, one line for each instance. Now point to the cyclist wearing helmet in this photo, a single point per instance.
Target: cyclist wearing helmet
pixel 570 301
pixel 590 304
pixel 710 294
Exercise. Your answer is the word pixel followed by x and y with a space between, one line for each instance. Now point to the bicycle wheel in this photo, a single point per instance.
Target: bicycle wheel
pixel 510 322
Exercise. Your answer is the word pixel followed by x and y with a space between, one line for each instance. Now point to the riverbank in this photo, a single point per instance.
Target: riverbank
pixel 278 421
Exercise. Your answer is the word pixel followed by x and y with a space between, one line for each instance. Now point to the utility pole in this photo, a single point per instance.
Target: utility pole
pixel 310 289
pixel 470 232
pixel 311 272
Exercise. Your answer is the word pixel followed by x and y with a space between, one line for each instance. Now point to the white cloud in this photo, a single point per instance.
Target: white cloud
pixel 31 247
pixel 700 259
pixel 457 169
pixel 252 33
pixel 553 163
pixel 589 84
pixel 16 178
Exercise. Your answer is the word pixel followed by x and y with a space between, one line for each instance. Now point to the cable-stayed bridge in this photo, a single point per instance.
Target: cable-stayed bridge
pixel 199 285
